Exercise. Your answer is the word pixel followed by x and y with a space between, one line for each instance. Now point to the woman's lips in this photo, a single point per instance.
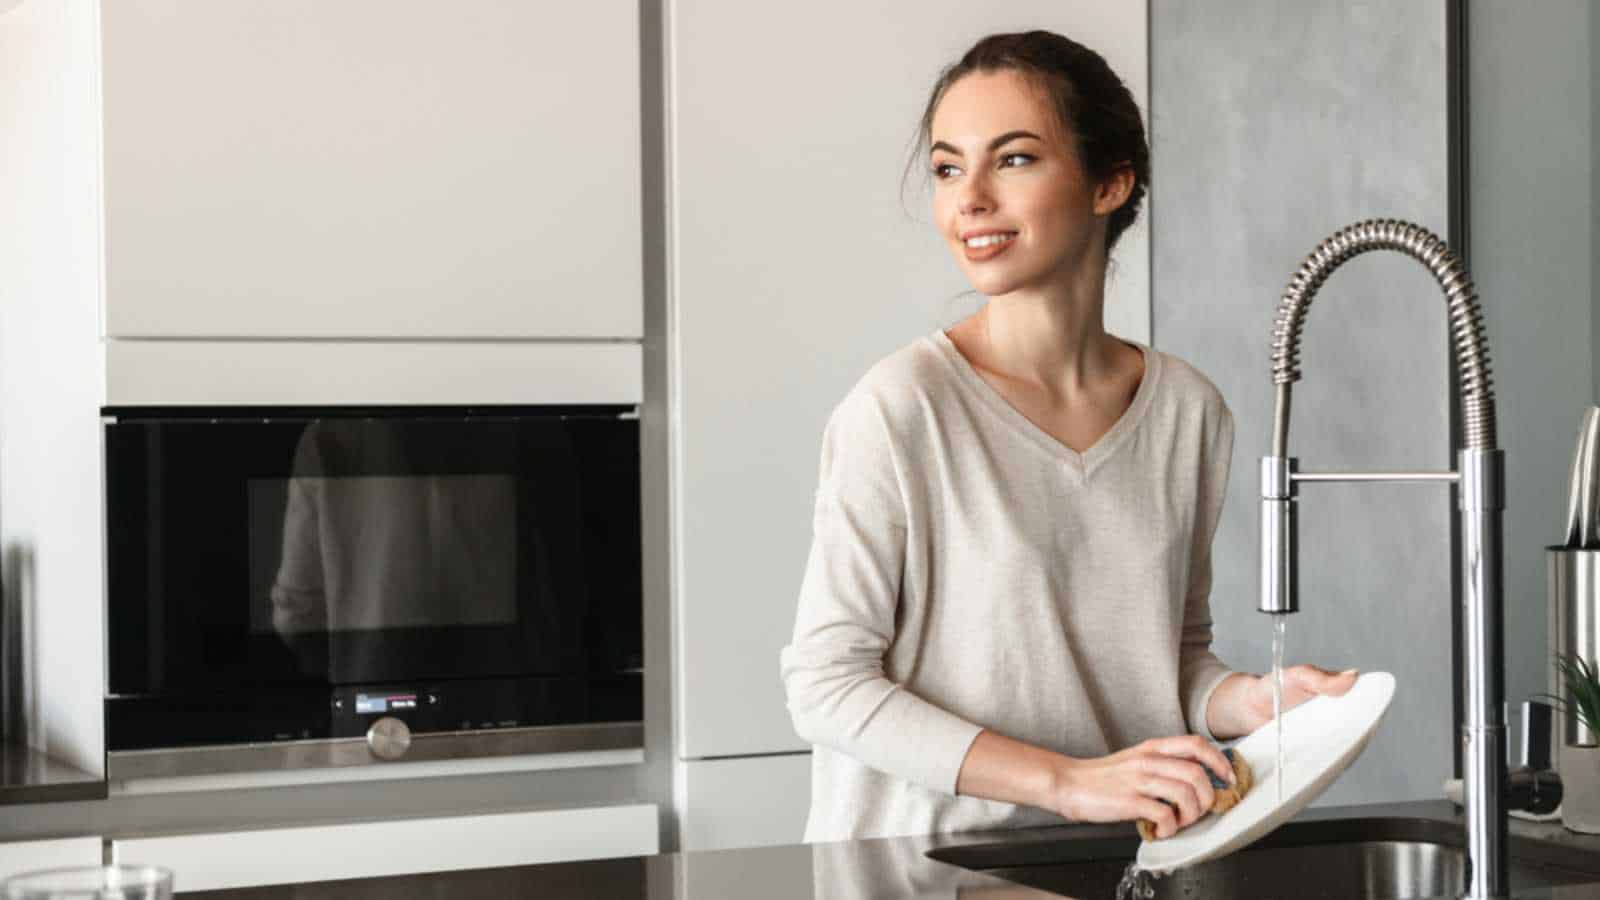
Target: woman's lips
pixel 979 254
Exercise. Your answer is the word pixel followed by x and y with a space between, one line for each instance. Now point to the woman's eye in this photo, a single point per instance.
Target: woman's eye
pixel 940 173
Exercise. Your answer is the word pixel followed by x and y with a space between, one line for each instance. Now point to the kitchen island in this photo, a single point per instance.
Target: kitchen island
pixel 901 869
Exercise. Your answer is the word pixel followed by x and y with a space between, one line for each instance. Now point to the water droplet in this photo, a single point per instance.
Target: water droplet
pixel 1136 883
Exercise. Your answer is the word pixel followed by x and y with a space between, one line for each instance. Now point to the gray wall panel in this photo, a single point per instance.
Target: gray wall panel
pixel 1530 165
pixel 1267 137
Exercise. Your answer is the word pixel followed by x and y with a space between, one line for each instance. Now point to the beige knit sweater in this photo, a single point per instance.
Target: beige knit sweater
pixel 969 571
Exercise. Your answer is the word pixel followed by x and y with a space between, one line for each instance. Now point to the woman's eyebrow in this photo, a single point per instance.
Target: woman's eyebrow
pixel 993 145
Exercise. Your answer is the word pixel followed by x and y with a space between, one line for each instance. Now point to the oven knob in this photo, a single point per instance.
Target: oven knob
pixel 389 738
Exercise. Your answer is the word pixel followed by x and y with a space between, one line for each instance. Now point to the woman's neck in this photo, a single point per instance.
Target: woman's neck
pixel 1056 341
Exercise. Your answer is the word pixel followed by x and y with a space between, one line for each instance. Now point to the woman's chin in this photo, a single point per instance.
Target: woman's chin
pixel 993 284
pixel 997 277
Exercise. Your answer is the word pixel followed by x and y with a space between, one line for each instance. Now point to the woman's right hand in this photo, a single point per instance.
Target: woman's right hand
pixel 1131 784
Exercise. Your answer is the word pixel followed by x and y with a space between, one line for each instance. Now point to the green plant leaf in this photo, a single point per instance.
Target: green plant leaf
pixel 1582 681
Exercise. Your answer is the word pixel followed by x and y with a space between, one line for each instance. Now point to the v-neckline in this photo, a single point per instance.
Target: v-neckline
pixel 1085 462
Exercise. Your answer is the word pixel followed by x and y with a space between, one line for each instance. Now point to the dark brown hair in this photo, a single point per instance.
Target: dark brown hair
pixel 1093 105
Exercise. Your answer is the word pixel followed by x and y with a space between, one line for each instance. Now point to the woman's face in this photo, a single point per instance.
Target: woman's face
pixel 1003 166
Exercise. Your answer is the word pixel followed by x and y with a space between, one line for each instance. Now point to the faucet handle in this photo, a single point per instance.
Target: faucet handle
pixel 1280 537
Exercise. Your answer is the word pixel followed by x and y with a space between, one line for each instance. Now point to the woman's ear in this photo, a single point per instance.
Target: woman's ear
pixel 1114 190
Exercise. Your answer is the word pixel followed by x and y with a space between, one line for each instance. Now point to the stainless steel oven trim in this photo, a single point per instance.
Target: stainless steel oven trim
pixel 340 752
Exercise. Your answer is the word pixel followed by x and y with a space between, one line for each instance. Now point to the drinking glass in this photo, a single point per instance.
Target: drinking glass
pixel 91 883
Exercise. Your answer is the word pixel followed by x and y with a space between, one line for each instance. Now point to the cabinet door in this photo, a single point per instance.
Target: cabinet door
pixel 226 860
pixel 17 857
pixel 798 266
pixel 371 168
pixel 760 801
pixel 375 373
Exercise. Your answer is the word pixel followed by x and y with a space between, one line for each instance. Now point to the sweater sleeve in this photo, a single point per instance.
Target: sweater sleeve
pixel 1199 670
pixel 833 671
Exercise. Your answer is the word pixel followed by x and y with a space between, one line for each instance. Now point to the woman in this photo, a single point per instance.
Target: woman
pixel 1004 619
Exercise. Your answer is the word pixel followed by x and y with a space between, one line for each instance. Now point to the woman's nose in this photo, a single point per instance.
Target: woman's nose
pixel 975 196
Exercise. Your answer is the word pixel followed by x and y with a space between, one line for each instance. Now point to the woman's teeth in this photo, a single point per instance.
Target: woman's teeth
pixel 989 240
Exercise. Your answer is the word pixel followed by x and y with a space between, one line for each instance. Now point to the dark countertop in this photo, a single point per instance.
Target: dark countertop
pixel 28 776
pixel 899 869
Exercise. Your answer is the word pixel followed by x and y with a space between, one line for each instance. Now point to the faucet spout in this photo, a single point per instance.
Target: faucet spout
pixel 1480 477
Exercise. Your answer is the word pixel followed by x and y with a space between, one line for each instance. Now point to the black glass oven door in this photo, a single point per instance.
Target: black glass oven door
pixel 290 556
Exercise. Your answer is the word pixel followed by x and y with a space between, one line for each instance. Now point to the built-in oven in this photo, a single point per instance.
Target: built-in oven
pixel 326 587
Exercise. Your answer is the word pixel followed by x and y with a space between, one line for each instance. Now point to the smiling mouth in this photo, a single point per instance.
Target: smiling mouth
pixel 988 246
pixel 989 240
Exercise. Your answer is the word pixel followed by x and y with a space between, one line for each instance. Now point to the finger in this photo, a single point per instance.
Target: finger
pixel 1190 773
pixel 1197 748
pixel 1164 816
pixel 1175 791
pixel 1340 684
pixel 1313 680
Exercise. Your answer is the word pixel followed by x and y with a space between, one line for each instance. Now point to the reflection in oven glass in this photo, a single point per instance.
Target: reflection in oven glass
pixel 375 552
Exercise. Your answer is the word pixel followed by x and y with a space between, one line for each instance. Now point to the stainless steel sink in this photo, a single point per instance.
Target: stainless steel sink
pixel 1361 858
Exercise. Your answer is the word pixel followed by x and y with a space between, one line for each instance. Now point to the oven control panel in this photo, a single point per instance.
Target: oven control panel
pixel 349 711
pixel 422 707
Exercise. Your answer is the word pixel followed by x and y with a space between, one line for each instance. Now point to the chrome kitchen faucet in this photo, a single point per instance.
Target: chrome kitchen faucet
pixel 1480 473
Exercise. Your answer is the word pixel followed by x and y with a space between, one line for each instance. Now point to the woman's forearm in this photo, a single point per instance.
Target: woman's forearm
pixel 1161 779
pixel 997 767
pixel 1227 712
pixel 1000 768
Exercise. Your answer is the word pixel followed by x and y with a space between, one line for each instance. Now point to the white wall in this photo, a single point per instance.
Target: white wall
pixel 50 370
pixel 798 264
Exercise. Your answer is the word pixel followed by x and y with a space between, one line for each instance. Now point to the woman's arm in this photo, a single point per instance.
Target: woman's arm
pixel 1130 784
pixel 833 669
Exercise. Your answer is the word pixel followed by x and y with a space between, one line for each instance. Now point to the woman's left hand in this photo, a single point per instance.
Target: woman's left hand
pixel 1246 703
pixel 1300 683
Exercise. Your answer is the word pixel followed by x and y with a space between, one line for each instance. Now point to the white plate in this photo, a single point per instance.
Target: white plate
pixel 1321 738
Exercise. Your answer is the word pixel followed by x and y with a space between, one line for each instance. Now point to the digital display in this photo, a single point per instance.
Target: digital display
pixel 382 703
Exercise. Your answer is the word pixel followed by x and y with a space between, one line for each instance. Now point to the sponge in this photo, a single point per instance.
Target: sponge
pixel 1227 797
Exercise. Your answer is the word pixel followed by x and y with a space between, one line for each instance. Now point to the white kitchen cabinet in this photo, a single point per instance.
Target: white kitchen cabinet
pixel 225 860
pixel 371 168
pixel 797 266
pixel 757 801
pixel 17 857
pixel 361 373
pixel 375 177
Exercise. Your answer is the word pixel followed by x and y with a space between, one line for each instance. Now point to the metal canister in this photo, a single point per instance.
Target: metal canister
pixel 1574 627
